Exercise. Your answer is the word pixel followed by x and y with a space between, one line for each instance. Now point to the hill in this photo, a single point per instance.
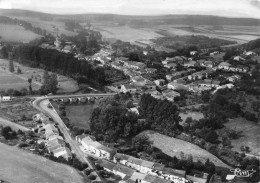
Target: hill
pixel 161 19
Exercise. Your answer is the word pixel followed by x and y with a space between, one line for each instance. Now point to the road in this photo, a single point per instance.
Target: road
pixel 13 125
pixel 41 104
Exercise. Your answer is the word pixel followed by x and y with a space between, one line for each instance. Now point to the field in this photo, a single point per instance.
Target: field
pixel 15 33
pixel 79 115
pixel 18 166
pixel 193 115
pixel 250 135
pixel 174 147
pixel 142 36
pixel 17 81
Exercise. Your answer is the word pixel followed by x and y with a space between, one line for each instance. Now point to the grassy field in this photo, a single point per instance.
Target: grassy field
pixel 18 81
pixel 193 115
pixel 250 135
pixel 15 33
pixel 18 166
pixel 174 147
pixel 54 27
pixel 79 115
pixel 143 36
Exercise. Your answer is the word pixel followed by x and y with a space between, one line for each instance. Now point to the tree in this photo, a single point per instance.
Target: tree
pixel 50 83
pixel 141 143
pixel 11 66
pixel 19 71
pixel 30 85
pixel 8 133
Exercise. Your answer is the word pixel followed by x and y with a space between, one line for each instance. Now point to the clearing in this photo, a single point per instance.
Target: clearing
pixel 19 81
pixel 79 115
pixel 18 166
pixel 16 33
pixel 193 115
pixel 250 135
pixel 174 147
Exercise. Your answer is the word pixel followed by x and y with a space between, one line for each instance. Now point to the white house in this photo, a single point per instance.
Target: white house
pixel 160 82
pixel 62 151
pixel 92 146
pixel 6 99
pixel 193 52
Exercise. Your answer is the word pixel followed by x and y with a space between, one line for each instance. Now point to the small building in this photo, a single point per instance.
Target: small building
pixel 135 65
pixel 190 64
pixel 6 98
pixel 128 88
pixel 224 66
pixel 192 53
pixel 160 82
pixel 151 70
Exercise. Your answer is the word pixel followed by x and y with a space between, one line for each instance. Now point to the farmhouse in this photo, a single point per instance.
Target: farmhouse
pixel 193 53
pixel 170 94
pixel 92 146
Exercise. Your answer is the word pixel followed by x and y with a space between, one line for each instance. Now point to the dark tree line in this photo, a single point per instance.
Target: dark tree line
pixel 24 24
pixel 61 63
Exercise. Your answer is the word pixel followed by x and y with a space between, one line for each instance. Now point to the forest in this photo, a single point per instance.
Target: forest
pixel 61 63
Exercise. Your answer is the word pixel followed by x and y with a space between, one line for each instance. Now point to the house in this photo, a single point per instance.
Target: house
pixel 135 65
pixel 157 95
pixel 134 110
pixel 224 66
pixel 196 179
pixel 128 88
pixel 170 94
pixel 160 82
pixel 151 70
pixel 177 86
pixel 193 53
pixel 208 83
pixel 174 174
pixel 234 78
pixel 190 64
pixel 208 63
pixel 106 164
pixel 169 60
pixel 171 66
pixel 62 151
pixel 140 165
pixel 92 146
pixel 239 58
pixel 214 53
pixel 6 99
pixel 250 53
pixel 123 171
pixel 116 65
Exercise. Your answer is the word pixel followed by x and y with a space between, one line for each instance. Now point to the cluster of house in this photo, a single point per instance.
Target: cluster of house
pixel 132 169
pixel 52 138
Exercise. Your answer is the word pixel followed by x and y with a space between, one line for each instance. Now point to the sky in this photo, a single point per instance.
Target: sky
pixel 229 8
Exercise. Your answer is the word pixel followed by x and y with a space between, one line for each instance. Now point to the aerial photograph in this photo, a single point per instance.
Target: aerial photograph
pixel 129 91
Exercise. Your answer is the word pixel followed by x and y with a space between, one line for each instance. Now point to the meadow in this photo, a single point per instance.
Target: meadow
pixel 142 36
pixel 173 148
pixel 79 115
pixel 16 33
pixel 30 168
pixel 250 135
pixel 18 81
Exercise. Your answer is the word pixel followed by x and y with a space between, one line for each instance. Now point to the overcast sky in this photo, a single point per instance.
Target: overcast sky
pixel 230 8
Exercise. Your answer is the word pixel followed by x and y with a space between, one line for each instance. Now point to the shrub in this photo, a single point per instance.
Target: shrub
pixel 21 145
pixel 92 177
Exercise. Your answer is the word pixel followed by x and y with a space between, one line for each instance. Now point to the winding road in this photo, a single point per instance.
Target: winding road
pixel 41 104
